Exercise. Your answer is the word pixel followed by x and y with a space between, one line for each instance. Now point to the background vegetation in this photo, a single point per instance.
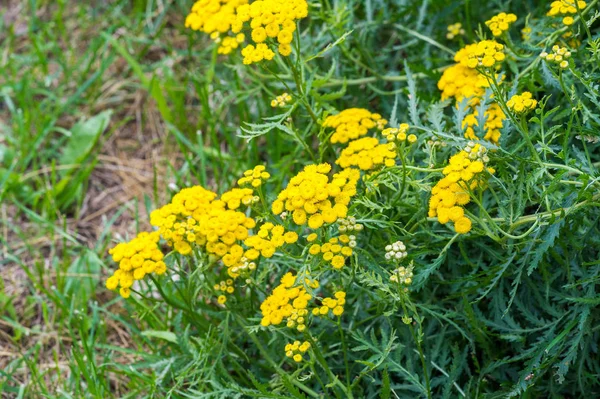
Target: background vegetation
pixel 108 108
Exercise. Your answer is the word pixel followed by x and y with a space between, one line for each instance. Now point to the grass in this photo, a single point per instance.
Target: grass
pixel 68 192
pixel 103 113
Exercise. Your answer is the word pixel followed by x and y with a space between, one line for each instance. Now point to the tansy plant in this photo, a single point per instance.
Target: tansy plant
pixel 414 238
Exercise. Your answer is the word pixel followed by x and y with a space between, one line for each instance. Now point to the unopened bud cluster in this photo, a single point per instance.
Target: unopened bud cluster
pixel 226 286
pixel 402 275
pixel 396 251
pixel 434 141
pixel 476 152
pixel 281 101
pixel 349 224
pixel 559 55
pixel 399 133
pixel 245 266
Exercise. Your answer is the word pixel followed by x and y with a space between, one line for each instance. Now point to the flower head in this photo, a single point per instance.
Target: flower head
pixel 353 123
pixel 522 103
pixel 500 23
pixel 288 302
pixel 136 259
pixel 486 53
pixel 312 198
pixel 455 30
pixel 367 154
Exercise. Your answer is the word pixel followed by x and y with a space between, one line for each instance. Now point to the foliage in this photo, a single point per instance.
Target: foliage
pixel 491 295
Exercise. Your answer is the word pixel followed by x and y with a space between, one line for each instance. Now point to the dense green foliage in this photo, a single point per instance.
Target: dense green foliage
pixel 510 309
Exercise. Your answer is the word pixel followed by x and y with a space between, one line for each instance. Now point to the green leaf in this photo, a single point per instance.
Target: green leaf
pixel 165 335
pixel 84 135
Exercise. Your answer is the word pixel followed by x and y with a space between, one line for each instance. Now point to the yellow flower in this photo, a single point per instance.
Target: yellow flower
pixel 136 258
pixel 486 53
pixel 462 225
pixel 335 305
pixel 493 123
pixel 565 7
pixel 451 193
pixel 285 49
pixel 522 103
pixel 367 154
pixel 461 82
pixel 288 301
pixel 338 261
pixel 500 23
pixel 223 20
pixel 455 30
pixel 310 195
pixel 352 123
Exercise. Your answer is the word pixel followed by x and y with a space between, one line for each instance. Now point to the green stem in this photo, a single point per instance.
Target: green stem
pixel 345 349
pixel 580 15
pixel 300 87
pixel 321 359
pixel 269 360
pixel 416 339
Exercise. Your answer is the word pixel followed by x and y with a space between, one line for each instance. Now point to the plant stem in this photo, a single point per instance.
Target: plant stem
pixel 268 358
pixel 345 349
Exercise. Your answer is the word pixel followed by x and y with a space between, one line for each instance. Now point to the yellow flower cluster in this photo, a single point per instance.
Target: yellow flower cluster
pixel 281 101
pixel 136 258
pixel 226 287
pixel 493 123
pixel 335 305
pixel 277 308
pixel 486 53
pixel 566 8
pixel 237 197
pixel 455 30
pixel 223 228
pixel 335 251
pixel 522 103
pixel 269 19
pixel 177 221
pixel 296 350
pixel 194 217
pixel 228 43
pixel 500 23
pixel 352 123
pixel 367 154
pixel 559 55
pixel 215 17
pixel 268 239
pixel 460 82
pixel 451 193
pixel 254 177
pixel 258 53
pixel 312 198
